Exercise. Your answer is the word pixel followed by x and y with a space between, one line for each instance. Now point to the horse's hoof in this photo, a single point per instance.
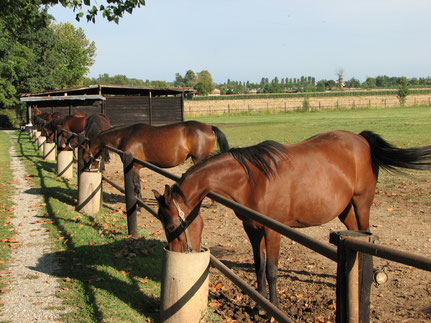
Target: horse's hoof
pixel 258 311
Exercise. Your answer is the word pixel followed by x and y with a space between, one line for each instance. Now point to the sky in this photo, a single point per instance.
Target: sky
pixel 245 40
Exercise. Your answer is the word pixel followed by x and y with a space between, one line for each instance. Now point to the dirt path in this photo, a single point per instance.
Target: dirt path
pixel 29 294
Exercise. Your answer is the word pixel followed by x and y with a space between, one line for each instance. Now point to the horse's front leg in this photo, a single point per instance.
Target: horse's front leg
pixel 272 242
pixel 257 243
pixel 137 182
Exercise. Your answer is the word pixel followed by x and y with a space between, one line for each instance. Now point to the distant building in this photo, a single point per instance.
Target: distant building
pixel 215 92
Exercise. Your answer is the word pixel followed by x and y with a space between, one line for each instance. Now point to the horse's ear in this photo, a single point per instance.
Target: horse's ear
pixel 157 195
pixel 167 194
pixel 168 191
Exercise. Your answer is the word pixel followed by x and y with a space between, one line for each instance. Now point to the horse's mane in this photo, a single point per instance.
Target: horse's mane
pixel 254 154
pixel 112 129
pixel 92 126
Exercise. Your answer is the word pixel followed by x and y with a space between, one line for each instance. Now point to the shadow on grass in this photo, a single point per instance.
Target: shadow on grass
pixel 95 268
pixel 120 268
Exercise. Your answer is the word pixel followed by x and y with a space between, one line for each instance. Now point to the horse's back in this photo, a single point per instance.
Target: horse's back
pixel 318 179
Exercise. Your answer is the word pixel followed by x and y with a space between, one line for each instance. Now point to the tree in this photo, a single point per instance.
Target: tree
pixel 28 58
pixel 76 54
pixel 33 55
pixel 370 83
pixel 403 90
pixel 382 81
pixel 321 86
pixel 353 83
pixel 112 11
pixel 190 78
pixel 179 80
pixel 205 84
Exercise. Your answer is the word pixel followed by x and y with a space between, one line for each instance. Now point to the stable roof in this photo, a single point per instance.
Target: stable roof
pixel 99 89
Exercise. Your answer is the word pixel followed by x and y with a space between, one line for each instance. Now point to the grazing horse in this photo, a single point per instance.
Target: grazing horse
pixel 330 175
pixel 40 118
pixel 69 124
pixel 164 146
pixel 50 128
pixel 95 124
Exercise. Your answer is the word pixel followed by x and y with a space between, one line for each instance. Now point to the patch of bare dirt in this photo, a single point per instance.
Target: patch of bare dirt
pixel 400 217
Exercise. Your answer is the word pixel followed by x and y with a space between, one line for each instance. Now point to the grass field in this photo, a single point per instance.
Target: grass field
pixel 401 126
pixel 108 278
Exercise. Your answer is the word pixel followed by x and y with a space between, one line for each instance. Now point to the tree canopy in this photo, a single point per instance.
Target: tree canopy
pixel 37 55
pixel 112 11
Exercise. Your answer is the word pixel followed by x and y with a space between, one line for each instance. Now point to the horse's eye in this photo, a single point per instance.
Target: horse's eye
pixel 170 227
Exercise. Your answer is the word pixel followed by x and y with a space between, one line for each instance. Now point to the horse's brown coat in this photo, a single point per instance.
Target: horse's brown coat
pixel 330 175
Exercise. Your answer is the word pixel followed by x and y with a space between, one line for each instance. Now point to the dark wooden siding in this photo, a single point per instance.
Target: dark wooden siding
pixel 64 110
pixel 125 110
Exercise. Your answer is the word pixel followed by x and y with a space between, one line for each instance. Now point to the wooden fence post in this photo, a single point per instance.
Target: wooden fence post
pixel 131 200
pixel 354 278
pixel 81 166
pixel 58 139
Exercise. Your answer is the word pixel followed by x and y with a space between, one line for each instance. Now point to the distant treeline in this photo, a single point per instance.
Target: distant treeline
pixel 309 84
pixel 302 84
pixel 309 94
pixel 123 80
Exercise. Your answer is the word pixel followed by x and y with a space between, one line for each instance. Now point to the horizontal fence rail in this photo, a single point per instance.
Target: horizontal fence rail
pixel 388 253
pixel 313 244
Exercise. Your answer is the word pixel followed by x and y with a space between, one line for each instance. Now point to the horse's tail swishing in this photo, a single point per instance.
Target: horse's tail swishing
pixel 389 157
pixel 221 139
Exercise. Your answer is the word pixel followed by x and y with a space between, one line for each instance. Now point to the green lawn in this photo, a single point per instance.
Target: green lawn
pixel 408 126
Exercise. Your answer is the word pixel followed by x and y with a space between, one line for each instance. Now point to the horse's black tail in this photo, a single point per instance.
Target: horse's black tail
pixel 221 139
pixel 386 156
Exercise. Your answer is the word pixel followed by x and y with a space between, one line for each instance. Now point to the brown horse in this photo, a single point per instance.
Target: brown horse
pixel 164 146
pixel 40 118
pixel 50 128
pixel 36 110
pixel 330 175
pixel 72 123
pixel 95 124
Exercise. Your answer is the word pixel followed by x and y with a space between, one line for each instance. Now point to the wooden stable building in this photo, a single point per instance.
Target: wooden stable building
pixel 123 105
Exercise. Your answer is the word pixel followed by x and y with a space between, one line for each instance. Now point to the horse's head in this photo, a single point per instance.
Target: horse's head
pixel 36 110
pixel 49 130
pixel 183 226
pixel 91 162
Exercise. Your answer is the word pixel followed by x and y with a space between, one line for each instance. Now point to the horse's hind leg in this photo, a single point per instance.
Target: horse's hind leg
pixel 348 218
pixel 362 204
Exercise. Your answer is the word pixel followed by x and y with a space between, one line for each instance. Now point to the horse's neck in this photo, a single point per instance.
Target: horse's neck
pixel 107 139
pixel 222 177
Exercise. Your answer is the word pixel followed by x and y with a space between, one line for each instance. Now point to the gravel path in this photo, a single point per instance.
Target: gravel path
pixel 29 294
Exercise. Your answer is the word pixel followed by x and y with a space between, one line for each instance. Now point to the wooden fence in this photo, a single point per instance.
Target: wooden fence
pixel 201 107
pixel 353 253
